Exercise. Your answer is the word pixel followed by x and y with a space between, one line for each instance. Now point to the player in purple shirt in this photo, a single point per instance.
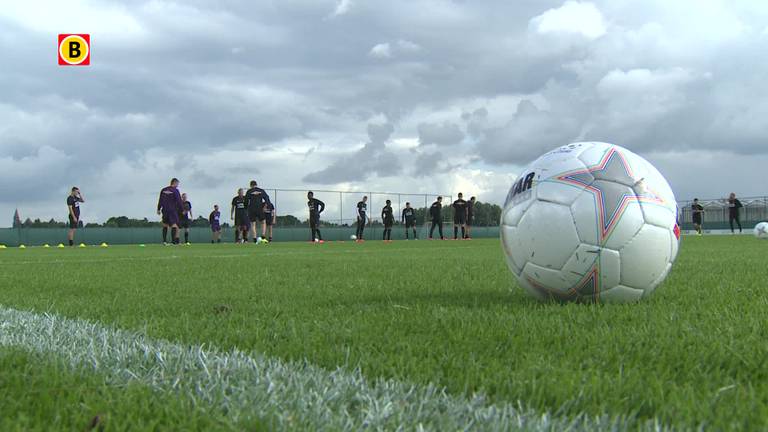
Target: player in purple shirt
pixel 170 206
pixel 73 205
pixel 215 220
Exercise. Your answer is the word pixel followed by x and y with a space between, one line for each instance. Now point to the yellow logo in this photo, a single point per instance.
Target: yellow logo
pixel 74 49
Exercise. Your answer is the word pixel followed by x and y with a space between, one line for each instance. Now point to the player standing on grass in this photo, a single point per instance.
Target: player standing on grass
pixel 470 217
pixel 73 205
pixel 408 218
pixel 270 218
pixel 436 217
pixel 170 206
pixel 362 217
pixel 239 213
pixel 459 217
pixel 316 207
pixel 697 215
pixel 734 206
pixel 254 200
pixel 388 218
pixel 186 216
pixel 215 220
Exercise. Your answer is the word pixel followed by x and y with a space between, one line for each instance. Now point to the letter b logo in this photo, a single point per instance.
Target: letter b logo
pixel 74 49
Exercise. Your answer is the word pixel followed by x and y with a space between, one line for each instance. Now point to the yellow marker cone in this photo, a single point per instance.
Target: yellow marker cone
pixel 3 247
pixel 104 245
pixel 60 246
pixel 82 245
pixel 46 245
pixel 22 247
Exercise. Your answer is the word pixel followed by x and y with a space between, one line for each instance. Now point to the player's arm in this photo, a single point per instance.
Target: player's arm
pixel 402 216
pixel 274 217
pixel 266 196
pixel 80 196
pixel 321 206
pixel 72 212
pixel 160 202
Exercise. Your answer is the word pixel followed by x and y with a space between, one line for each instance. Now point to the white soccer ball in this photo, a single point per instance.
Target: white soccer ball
pixel 259 240
pixel 590 222
pixel 353 237
pixel 761 230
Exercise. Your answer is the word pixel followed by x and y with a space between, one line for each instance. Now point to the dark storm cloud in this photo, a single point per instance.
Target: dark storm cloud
pixel 373 158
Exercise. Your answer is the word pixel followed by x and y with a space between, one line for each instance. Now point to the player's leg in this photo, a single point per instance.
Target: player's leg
pixel 455 229
pixel 431 229
pixel 165 233
pixel 730 222
pixel 738 222
pixel 440 229
pixel 317 229
pixel 186 232
pixel 463 231
pixel 413 227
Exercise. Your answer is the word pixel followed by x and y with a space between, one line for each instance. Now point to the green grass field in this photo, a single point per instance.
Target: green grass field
pixel 444 313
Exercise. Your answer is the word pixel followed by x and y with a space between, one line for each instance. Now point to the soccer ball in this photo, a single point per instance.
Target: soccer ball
pixel 761 230
pixel 590 222
pixel 353 237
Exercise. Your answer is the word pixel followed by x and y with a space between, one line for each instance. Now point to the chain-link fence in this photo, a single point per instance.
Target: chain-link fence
pixel 716 212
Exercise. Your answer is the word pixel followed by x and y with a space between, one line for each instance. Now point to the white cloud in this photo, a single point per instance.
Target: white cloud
pixel 381 51
pixel 573 17
pixel 342 7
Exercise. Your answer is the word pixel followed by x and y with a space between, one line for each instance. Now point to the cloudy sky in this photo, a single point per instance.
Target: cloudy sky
pixel 414 96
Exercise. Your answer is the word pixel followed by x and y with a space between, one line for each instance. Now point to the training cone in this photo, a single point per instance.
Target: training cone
pixel 60 246
pixel 142 245
pixel 46 245
pixel 3 247
pixel 82 245
pixel 104 245
pixel 22 247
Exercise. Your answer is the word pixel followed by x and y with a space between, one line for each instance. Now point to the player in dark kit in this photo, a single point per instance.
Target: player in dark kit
pixel 185 217
pixel 254 200
pixel 697 215
pixel 362 217
pixel 215 220
pixel 459 217
pixel 388 218
pixel 435 211
pixel 73 205
pixel 734 206
pixel 316 207
pixel 470 217
pixel 270 218
pixel 169 205
pixel 239 213
pixel 408 218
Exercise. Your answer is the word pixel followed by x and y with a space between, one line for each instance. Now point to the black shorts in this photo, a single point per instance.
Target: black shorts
pixel 388 222
pixel 255 215
pixel 241 220
pixel 460 220
pixel 410 223
pixel 314 221
pixel 696 219
pixel 268 220
pixel 184 222
pixel 72 222
pixel 470 219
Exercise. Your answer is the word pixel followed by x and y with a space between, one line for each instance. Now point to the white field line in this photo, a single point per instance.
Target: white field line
pixel 283 395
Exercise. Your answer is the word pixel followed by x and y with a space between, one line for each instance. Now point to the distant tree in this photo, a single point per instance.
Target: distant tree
pixel 17 219
pixel 201 222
